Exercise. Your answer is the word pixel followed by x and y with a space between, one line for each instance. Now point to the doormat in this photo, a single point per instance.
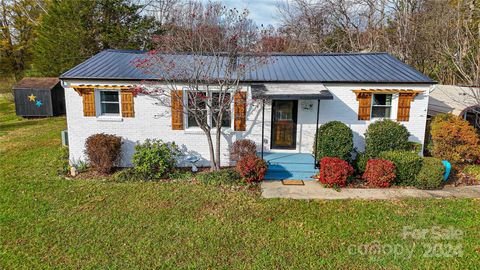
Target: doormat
pixel 293 182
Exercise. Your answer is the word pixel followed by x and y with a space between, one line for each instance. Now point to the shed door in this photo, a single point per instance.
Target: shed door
pixel 284 124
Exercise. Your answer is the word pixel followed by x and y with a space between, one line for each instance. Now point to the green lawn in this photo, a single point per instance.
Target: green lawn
pixel 50 222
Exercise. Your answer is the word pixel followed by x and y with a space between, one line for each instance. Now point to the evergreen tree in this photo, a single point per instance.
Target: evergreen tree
pixel 73 30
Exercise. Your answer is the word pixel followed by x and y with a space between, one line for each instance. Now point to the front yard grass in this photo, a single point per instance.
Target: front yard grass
pixel 47 221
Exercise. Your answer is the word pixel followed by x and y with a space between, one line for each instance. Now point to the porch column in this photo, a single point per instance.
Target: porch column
pixel 263 122
pixel 316 135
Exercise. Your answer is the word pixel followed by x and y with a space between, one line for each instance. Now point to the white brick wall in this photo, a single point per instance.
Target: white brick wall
pixel 153 121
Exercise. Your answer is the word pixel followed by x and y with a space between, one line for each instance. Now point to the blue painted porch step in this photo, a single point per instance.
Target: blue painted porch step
pixel 281 175
pixel 306 167
pixel 299 166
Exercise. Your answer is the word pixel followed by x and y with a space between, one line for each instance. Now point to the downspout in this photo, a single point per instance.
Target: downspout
pixel 263 122
pixel 316 135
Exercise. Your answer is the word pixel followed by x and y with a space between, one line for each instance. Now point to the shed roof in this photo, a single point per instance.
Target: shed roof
pixel 43 83
pixel 280 68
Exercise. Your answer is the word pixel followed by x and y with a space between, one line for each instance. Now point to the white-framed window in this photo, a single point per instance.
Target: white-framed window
pixel 201 99
pixel 197 102
pixel 109 102
pixel 227 114
pixel 381 105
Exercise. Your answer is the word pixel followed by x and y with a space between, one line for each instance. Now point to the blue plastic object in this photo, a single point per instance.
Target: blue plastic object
pixel 448 168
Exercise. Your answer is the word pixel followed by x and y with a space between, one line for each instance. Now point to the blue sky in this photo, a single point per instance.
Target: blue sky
pixel 261 11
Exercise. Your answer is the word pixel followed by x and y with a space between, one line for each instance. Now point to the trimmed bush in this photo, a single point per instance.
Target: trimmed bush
pixel 407 164
pixel 415 147
pixel 379 173
pixel 334 172
pixel 473 170
pixel 154 159
pixel 335 139
pixel 386 135
pixel 222 177
pixel 242 148
pixel 103 151
pixel 431 174
pixel 361 162
pixel 251 168
pixel 454 139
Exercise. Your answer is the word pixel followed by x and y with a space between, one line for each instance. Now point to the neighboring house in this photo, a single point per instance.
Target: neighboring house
pixel 355 88
pixel 463 101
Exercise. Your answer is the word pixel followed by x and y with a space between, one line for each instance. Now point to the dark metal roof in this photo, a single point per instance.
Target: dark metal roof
pixel 281 68
pixel 261 91
pixel 43 83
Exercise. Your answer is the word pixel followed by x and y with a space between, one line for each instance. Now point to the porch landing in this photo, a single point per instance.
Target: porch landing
pixel 289 166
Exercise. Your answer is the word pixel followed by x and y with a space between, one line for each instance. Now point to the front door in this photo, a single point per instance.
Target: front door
pixel 284 124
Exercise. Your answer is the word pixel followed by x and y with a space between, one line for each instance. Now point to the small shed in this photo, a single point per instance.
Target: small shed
pixel 39 97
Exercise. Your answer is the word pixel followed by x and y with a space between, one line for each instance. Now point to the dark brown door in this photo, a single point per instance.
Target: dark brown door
pixel 284 124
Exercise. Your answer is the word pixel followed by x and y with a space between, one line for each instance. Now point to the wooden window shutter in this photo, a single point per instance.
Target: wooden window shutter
pixel 240 111
pixel 177 109
pixel 404 100
pixel 364 105
pixel 88 96
pixel 127 104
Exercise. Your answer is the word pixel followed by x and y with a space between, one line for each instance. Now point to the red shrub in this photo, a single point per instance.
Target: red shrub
pixel 242 148
pixel 334 172
pixel 103 151
pixel 252 168
pixel 379 173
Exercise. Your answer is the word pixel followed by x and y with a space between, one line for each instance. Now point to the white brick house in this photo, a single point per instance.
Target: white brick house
pixel 355 89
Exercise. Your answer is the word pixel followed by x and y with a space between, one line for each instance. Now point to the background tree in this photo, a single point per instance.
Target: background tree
pixel 18 19
pixel 73 30
pixel 211 45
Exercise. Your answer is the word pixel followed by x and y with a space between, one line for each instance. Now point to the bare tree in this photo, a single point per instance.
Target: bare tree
pixel 461 45
pixel 206 55
pixel 164 11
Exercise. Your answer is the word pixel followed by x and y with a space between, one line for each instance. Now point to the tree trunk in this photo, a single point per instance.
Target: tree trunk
pixel 213 160
pixel 217 146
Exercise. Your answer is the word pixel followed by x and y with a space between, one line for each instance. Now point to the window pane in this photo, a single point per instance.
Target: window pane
pixel 110 108
pixel 381 112
pixel 109 96
pixel 382 99
pixel 226 120
pixel 191 121
pixel 196 102
pixel 284 111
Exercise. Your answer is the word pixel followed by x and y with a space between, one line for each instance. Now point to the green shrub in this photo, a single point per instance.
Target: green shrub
pixel 103 151
pixel 361 161
pixel 431 174
pixel 335 139
pixel 126 175
pixel 222 177
pixel 415 147
pixel 154 159
pixel 473 170
pixel 408 165
pixel 386 135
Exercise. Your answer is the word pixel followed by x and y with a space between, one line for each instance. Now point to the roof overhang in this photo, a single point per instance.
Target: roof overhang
pixel 288 92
